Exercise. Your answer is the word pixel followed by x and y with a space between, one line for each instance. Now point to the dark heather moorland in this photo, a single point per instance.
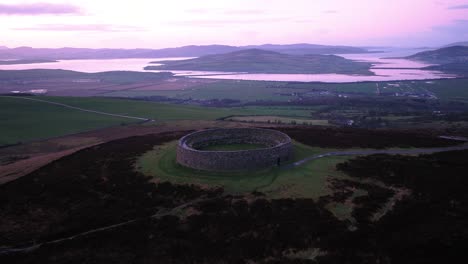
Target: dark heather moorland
pixel 98 187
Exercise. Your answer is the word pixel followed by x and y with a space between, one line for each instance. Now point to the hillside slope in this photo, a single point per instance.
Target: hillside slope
pixel 261 61
pixel 454 54
pixel 461 43
pixel 457 68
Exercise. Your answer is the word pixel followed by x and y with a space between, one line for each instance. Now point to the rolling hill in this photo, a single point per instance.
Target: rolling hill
pixel 262 61
pixel 452 60
pixel 454 54
pixel 461 43
pixel 457 68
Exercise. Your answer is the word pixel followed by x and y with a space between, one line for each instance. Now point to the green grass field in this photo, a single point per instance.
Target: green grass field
pixel 287 111
pixel 452 89
pixel 279 119
pixel 156 111
pixel 24 120
pixel 232 89
pixel 168 112
pixel 248 91
pixel 308 180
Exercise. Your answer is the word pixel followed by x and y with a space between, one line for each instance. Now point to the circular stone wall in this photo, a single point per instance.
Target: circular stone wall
pixel 278 149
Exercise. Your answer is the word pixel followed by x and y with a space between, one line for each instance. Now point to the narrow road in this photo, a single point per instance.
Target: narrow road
pixel 383 151
pixel 79 108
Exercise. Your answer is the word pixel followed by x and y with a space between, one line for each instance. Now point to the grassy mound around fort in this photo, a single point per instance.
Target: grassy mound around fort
pixel 305 181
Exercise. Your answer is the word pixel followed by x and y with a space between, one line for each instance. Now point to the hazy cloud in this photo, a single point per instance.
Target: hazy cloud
pixel 226 11
pixel 244 12
pixel 306 20
pixel 223 22
pixel 36 9
pixel 458 7
pixel 83 27
pixel 198 10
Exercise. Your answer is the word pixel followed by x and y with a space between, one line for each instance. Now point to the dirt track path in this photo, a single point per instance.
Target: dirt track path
pixel 79 108
pixel 159 214
pixel 383 151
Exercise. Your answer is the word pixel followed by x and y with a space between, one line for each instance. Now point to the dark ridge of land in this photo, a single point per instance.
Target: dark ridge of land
pixel 457 68
pixel 453 54
pixel 262 61
pixel 98 187
pixel 452 59
pixel 461 43
pixel 14 62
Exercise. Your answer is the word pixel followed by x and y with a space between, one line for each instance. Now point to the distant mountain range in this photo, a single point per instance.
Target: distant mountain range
pixel 186 51
pixel 265 61
pixel 453 54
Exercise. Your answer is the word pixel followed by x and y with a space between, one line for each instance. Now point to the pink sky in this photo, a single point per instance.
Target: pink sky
pixel 158 24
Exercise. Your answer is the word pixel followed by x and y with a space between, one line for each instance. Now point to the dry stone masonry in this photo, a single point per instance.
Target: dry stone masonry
pixel 278 149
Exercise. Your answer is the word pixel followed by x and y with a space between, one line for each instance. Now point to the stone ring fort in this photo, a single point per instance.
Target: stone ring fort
pixel 273 149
